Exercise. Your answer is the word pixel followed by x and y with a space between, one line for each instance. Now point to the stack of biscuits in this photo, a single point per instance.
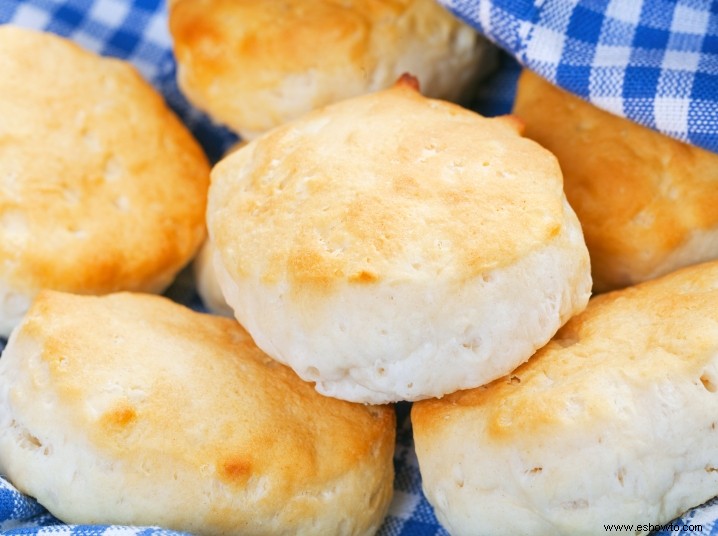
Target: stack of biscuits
pixel 374 241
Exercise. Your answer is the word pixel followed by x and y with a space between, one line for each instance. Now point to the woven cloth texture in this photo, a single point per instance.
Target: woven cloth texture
pixel 653 61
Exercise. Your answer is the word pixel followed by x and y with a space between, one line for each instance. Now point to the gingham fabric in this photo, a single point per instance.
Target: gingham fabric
pixel 137 31
pixel 653 61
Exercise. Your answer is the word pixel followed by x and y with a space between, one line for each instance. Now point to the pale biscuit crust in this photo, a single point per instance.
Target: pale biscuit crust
pixel 614 421
pixel 647 202
pixel 205 279
pixel 131 409
pixel 254 65
pixel 204 272
pixel 370 242
pixel 101 187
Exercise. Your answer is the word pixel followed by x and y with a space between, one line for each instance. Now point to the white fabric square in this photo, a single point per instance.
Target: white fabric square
pixel 681 61
pixel 611 56
pixel 29 16
pixel 545 45
pixel 625 11
pixel 689 20
pixel 110 12
pixel 157 31
pixel 610 104
pixel 671 114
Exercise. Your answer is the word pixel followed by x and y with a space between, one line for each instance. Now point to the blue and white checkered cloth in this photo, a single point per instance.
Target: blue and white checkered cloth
pixel 651 60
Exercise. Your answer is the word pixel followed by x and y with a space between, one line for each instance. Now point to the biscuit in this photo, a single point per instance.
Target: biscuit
pixel 647 202
pixel 206 282
pixel 132 409
pixel 393 247
pixel 613 422
pixel 253 65
pixel 205 279
pixel 101 187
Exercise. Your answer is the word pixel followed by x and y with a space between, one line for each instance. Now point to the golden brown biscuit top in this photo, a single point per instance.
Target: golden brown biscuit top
pixel 101 186
pixel 274 39
pixel 641 338
pixel 144 376
pixel 638 194
pixel 385 186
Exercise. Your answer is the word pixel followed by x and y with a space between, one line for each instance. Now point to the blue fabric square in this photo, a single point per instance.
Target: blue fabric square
pixel 148 5
pixel 640 82
pixel 648 37
pixel 705 87
pixel 417 528
pixel 574 78
pixel 122 43
pixel 66 17
pixel 519 9
pixel 7 9
pixel 585 25
pixel 710 44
